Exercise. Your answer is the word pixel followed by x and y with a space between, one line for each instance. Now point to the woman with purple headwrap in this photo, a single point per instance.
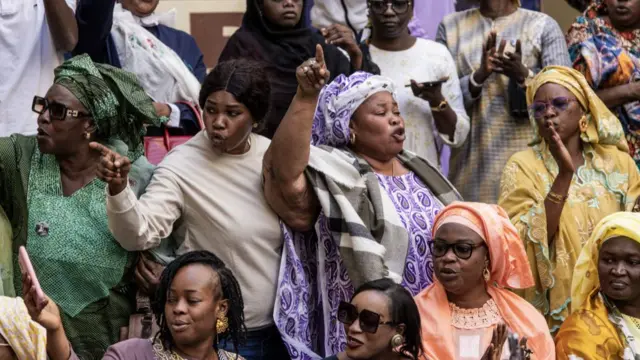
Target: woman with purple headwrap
pixel 355 205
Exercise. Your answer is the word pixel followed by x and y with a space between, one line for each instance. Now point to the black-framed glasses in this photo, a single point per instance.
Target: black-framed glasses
pixel 369 321
pixel 463 251
pixel 398 6
pixel 539 108
pixel 56 111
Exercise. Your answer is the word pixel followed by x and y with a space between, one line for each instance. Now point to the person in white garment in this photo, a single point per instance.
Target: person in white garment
pixel 34 35
pixel 352 13
pixel 208 194
pixel 434 115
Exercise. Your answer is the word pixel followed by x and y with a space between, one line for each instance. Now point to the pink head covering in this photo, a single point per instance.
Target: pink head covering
pixel 509 268
pixel 509 263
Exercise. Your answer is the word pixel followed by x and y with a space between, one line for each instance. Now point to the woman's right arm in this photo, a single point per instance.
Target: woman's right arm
pixel 286 188
pixel 138 225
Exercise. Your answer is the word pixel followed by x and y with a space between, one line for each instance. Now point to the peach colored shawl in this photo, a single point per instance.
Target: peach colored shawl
pixel 509 269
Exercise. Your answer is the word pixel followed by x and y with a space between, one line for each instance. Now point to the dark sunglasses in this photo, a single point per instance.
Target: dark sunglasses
pixel 369 321
pixel 461 250
pixel 398 6
pixel 56 111
pixel 539 108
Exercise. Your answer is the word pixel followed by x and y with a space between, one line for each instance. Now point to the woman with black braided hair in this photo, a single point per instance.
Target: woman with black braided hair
pixel 198 305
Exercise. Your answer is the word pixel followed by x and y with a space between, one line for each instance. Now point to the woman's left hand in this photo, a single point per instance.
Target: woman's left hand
pixel 341 36
pixel 431 94
pixel 510 64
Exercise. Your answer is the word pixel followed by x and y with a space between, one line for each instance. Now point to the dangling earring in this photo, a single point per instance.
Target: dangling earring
pixel 583 124
pixel 396 341
pixel 486 274
pixel 255 125
pixel 352 138
pixel 222 325
pixel 87 135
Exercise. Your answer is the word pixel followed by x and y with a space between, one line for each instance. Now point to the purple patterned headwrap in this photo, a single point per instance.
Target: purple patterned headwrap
pixel 339 100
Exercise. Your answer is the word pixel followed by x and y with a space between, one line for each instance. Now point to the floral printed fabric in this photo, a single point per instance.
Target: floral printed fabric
pixel 608 182
pixel 596 331
pixel 608 58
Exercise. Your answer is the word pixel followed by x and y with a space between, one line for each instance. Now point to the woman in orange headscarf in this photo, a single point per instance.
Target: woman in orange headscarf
pixel 477 256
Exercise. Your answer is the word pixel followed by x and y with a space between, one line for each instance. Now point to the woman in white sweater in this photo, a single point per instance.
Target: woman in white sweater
pixel 207 193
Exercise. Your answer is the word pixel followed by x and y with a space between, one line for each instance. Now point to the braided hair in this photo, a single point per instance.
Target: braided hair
pixel 230 291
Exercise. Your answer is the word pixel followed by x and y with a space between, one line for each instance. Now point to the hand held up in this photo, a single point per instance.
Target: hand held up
pixel 112 169
pixel 312 75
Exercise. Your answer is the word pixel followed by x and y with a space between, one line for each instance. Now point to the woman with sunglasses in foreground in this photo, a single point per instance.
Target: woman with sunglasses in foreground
pixel 576 171
pixel 468 313
pixel 381 322
pixel 56 205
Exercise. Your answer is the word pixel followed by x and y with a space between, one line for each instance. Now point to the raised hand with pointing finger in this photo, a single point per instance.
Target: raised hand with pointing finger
pixel 312 75
pixel 113 168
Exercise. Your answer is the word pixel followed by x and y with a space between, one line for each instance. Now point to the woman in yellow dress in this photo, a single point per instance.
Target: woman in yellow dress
pixel 605 321
pixel 576 171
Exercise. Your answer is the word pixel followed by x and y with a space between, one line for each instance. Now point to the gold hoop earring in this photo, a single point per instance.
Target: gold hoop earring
pixel 486 274
pixel 583 124
pixel 397 340
pixel 255 125
pixel 222 325
pixel 352 138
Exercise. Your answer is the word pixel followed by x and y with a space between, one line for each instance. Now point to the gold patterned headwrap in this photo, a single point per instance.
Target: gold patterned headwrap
pixel 27 339
pixel 585 275
pixel 603 127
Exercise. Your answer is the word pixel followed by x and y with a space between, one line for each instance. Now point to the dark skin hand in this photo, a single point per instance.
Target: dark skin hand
pixel 341 36
pixel 147 275
pixel 494 351
pixel 113 168
pixel 445 120
pixel 487 65
pixel 510 64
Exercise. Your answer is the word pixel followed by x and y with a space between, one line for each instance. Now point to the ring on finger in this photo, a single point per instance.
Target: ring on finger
pixel 305 69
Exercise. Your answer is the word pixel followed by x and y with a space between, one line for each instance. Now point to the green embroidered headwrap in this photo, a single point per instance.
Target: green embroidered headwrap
pixel 118 104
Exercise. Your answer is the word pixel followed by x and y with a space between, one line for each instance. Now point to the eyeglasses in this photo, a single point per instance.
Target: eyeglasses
pixel 461 250
pixel 539 108
pixel 56 111
pixel 398 6
pixel 369 321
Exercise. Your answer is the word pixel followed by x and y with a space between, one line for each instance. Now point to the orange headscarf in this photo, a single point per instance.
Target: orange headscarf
pixel 509 269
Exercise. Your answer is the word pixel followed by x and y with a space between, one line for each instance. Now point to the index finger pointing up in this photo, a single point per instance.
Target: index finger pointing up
pixel 319 54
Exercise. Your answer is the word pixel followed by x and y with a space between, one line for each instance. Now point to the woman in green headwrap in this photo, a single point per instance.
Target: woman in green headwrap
pixel 56 205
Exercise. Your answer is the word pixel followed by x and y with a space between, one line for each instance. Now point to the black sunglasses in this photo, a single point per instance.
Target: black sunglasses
pixel 398 6
pixel 56 111
pixel 369 321
pixel 463 251
pixel 539 108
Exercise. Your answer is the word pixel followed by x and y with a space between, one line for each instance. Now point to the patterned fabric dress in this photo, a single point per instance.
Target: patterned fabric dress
pixel 417 208
pixel 608 58
pixel 495 135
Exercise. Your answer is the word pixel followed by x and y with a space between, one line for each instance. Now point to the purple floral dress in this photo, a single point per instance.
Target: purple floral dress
pixel 417 208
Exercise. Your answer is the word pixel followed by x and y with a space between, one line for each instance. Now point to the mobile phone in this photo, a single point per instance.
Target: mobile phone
pixel 27 268
pixel 431 83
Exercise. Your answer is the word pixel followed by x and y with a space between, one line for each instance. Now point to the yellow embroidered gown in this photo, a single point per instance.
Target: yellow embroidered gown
pixel 608 182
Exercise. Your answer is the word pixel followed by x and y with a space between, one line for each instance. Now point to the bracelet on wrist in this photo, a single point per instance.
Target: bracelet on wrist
pixel 556 198
pixel 472 80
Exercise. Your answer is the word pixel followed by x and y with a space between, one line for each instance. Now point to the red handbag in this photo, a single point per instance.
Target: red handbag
pixel 157 147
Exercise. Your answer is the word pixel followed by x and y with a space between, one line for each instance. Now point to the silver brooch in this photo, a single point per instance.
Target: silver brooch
pixel 42 229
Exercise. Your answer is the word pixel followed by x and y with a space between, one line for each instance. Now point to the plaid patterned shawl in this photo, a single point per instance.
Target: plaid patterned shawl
pixel 362 219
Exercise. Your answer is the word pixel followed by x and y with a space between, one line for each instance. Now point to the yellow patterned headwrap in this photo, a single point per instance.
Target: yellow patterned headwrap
pixel 27 338
pixel 603 128
pixel 585 276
